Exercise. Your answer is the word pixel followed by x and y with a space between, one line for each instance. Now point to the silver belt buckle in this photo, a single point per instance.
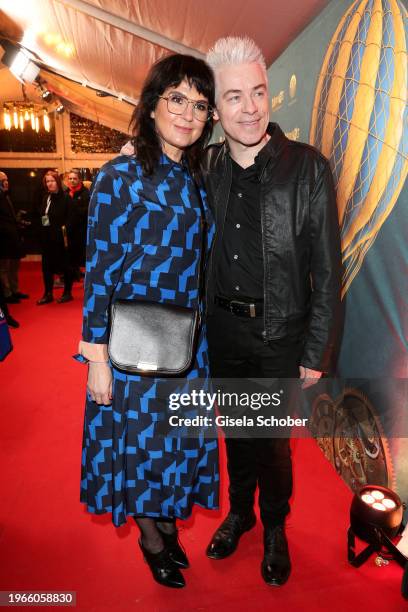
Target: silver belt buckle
pixel 252 311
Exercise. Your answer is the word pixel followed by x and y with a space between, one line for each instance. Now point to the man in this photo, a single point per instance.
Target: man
pixel 79 218
pixel 273 287
pixel 11 246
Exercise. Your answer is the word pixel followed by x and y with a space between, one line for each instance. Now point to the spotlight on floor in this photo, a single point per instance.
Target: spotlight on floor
pixel 376 518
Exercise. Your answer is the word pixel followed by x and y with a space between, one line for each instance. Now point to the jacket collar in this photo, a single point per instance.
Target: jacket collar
pixel 273 147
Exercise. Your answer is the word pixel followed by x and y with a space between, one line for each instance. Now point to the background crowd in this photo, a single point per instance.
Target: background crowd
pixel 59 220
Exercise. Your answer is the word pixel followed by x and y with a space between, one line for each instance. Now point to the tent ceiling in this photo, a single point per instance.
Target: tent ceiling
pixel 110 44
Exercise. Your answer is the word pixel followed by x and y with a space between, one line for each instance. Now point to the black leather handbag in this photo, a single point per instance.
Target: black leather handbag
pixel 152 339
pixel 155 339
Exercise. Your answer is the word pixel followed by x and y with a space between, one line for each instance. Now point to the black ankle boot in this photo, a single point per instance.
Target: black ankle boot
pixel 163 569
pixel 175 548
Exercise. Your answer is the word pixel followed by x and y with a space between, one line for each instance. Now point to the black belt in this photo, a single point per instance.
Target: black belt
pixel 241 309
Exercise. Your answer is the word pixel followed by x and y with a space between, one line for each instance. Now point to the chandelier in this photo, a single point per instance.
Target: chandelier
pixel 21 115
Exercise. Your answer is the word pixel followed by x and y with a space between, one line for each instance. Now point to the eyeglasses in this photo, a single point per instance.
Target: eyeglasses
pixel 177 105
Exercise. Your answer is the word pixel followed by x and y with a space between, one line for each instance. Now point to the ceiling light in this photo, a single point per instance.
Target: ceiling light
pixel 22 114
pixel 46 121
pixel 46 95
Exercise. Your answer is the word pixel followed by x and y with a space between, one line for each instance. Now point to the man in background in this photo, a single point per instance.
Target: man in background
pixel 11 245
pixel 79 217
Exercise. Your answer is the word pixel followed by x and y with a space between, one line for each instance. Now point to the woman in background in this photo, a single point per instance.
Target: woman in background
pixel 55 212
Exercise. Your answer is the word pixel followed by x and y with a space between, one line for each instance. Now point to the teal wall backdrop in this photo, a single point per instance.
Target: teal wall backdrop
pixel 342 86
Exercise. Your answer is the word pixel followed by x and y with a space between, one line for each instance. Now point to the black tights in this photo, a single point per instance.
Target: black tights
pixel 151 529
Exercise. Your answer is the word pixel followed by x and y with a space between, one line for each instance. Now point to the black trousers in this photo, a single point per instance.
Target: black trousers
pixel 237 350
pixel 48 268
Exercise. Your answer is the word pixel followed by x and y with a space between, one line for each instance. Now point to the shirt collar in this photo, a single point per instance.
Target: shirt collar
pixel 246 174
pixel 165 166
pixel 271 149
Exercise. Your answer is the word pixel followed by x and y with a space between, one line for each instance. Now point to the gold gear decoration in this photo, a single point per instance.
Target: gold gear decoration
pixel 352 438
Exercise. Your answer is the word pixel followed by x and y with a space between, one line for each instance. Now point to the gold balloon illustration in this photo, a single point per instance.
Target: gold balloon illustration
pixel 359 121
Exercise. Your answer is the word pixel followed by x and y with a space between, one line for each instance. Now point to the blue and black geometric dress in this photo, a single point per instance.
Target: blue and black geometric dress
pixel 144 241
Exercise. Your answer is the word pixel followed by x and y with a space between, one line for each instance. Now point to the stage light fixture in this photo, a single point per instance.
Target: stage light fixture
pixel 46 95
pixel 376 518
pixel 60 109
pixel 19 62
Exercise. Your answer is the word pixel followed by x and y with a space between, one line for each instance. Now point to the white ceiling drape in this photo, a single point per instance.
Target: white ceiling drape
pixel 109 45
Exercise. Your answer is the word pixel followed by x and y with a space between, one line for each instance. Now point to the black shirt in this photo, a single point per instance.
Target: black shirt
pixel 239 272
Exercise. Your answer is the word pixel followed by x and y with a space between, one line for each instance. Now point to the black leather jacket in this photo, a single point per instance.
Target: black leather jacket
pixel 300 239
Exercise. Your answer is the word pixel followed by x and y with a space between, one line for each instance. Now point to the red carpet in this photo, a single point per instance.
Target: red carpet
pixel 48 541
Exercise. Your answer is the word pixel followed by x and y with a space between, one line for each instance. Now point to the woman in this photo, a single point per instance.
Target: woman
pixel 55 219
pixel 144 243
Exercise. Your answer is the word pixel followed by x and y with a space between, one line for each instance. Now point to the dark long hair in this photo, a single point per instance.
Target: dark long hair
pixel 169 72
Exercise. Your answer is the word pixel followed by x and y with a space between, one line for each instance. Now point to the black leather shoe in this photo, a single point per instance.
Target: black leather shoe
pixel 226 538
pixel 46 299
pixel 21 296
pixel 163 569
pixel 11 322
pixel 66 297
pixel 175 549
pixel 275 567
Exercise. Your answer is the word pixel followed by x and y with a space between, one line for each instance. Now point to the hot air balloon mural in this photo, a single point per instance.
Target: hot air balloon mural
pixel 359 121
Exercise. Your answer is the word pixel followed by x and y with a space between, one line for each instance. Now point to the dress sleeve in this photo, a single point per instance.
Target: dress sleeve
pixel 107 245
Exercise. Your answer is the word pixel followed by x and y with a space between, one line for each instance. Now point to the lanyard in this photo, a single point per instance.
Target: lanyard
pixel 48 204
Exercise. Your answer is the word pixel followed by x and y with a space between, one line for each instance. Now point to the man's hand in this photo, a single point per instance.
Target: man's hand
pixel 309 376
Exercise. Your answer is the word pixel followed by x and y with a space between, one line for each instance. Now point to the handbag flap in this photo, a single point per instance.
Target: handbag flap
pixel 151 338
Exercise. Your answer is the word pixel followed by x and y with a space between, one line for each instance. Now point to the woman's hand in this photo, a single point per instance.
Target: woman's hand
pixel 100 383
